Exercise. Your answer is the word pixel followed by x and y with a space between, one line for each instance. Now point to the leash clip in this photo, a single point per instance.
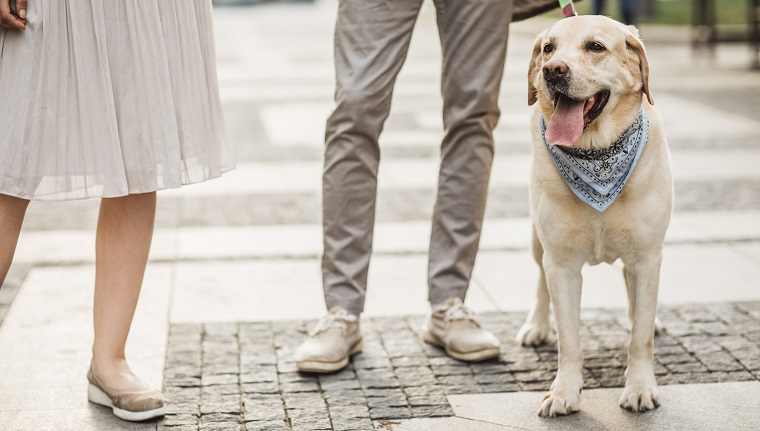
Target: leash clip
pixel 568 9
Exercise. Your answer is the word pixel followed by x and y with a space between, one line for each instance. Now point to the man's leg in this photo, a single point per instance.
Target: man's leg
pixel 474 38
pixel 371 41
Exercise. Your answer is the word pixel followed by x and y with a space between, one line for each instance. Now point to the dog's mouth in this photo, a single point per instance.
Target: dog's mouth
pixel 571 117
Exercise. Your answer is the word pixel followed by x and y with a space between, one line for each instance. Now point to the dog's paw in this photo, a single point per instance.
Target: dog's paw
pixel 533 334
pixel 559 403
pixel 659 328
pixel 639 398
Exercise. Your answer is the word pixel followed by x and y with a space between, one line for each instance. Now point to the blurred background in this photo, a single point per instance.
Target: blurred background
pixel 710 20
pixel 229 241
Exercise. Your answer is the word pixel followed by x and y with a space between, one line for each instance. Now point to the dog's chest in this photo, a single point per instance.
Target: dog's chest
pixel 605 246
pixel 619 234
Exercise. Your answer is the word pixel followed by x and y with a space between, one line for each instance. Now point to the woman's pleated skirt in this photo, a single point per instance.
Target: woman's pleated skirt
pixel 108 98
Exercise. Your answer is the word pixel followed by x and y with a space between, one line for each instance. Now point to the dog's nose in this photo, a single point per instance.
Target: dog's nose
pixel 556 71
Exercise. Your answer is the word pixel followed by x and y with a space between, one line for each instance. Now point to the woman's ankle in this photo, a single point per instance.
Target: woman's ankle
pixel 115 374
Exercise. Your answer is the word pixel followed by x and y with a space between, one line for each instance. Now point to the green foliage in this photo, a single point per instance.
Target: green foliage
pixel 679 12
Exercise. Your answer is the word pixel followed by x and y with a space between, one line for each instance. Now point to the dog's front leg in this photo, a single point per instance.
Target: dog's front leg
pixel 564 280
pixel 640 393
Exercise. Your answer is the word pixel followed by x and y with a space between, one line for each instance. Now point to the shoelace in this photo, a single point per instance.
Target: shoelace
pixel 458 311
pixel 333 320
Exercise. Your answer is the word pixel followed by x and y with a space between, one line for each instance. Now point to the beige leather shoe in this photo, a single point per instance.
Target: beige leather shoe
pixel 330 344
pixel 454 327
pixel 130 406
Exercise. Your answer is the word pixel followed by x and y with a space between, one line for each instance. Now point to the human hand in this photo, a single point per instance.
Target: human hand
pixel 8 19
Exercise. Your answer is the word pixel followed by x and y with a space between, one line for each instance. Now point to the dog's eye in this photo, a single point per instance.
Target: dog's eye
pixel 596 47
pixel 548 48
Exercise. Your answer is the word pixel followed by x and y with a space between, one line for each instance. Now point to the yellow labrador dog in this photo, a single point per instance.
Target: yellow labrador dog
pixel 601 190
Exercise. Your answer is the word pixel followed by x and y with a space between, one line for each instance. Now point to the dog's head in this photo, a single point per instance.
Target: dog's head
pixel 588 74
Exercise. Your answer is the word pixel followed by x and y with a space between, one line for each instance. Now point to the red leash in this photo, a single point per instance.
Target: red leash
pixel 568 9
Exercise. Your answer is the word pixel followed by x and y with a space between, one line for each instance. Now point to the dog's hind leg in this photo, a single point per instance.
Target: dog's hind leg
pixel 642 279
pixel 629 284
pixel 535 330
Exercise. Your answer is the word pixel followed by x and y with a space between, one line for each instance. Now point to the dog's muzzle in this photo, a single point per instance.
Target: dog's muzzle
pixel 557 76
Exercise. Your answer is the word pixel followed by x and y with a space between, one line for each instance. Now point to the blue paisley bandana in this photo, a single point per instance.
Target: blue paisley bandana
pixel 597 176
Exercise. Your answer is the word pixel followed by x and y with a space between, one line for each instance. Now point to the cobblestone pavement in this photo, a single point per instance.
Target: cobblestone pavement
pixel 240 376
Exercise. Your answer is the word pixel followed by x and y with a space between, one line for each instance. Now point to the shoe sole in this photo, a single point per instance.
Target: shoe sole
pixel 329 367
pixel 97 396
pixel 476 356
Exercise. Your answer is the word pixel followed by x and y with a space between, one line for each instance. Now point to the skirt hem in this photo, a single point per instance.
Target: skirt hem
pixel 67 195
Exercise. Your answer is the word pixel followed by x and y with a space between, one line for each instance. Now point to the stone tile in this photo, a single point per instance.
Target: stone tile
pixel 275 241
pixel 511 277
pixel 389 413
pixel 77 246
pixel 507 277
pixel 91 418
pixel 693 166
pixel 509 170
pixel 266 426
pixel 722 225
pixel 220 419
pixel 57 379
pixel 218 426
pixel 384 275
pixel 600 410
pixel 720 361
pixel 705 266
pixel 277 119
pixel 240 291
pixel 439 424
pixel 440 410
pixel 178 428
pixel 11 285
pixel 751 250
pixel 353 425
pixel 247 294
pixel 177 420
pixel 430 400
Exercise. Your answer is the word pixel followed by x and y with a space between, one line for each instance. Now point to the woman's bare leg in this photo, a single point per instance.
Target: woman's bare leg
pixel 125 229
pixel 12 210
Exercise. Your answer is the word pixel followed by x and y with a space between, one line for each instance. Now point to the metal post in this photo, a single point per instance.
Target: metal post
pixel 646 8
pixel 704 35
pixel 754 28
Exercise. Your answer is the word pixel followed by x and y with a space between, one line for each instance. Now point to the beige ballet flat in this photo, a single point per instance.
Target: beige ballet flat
pixel 130 406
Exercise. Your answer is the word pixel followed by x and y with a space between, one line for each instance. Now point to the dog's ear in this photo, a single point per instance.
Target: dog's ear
pixel 634 31
pixel 533 68
pixel 633 43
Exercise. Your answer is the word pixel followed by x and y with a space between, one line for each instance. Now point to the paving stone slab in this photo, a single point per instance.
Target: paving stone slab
pixel 691 407
pixel 305 208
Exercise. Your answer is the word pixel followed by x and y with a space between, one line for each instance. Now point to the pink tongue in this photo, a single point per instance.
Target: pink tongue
pixel 566 124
